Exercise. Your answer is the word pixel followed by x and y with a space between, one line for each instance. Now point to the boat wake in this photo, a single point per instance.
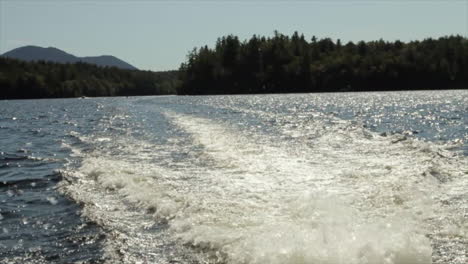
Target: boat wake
pixel 216 194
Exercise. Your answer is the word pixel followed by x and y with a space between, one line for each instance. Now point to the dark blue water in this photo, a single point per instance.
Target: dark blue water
pixel 37 222
pixel 43 141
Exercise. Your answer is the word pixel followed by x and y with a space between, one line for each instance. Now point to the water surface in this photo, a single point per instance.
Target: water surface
pixel 300 178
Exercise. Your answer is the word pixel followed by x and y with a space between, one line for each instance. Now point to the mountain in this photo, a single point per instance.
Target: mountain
pixel 108 60
pixel 35 53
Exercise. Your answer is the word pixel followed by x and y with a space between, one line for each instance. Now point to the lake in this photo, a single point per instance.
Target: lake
pixel 296 178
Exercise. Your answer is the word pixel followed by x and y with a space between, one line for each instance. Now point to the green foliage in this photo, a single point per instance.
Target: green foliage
pixel 279 64
pixel 292 64
pixel 21 80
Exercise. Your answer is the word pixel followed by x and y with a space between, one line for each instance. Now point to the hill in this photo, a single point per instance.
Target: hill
pixel 35 53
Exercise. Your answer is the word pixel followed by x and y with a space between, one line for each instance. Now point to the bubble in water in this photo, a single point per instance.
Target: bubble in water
pixel 1 217
pixel 5 231
pixel 52 200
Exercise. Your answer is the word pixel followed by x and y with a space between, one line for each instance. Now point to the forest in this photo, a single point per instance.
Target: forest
pixel 291 64
pixel 24 80
pixel 277 64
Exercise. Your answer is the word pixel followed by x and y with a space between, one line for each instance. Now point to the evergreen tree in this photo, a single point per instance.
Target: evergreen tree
pixel 291 64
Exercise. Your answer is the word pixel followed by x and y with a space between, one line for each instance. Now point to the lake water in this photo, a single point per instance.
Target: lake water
pixel 300 178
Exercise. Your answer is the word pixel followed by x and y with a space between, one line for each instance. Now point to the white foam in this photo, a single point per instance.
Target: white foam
pixel 349 197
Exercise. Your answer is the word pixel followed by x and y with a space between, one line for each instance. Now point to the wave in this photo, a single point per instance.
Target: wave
pixel 7 157
pixel 346 195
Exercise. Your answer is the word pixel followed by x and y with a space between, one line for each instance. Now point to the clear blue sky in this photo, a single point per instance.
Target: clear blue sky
pixel 157 35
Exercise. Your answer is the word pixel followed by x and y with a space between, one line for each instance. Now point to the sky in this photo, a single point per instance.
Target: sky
pixel 158 35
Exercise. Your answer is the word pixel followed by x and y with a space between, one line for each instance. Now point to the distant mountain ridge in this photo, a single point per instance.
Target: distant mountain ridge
pixel 35 53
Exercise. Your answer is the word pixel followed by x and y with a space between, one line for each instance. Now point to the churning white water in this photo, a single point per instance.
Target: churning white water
pixel 241 184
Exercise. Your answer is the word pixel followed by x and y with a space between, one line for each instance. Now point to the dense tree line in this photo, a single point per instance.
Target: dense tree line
pixel 293 64
pixel 21 80
pixel 276 64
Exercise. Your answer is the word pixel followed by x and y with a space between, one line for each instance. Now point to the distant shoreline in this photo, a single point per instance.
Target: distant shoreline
pixel 274 65
pixel 252 94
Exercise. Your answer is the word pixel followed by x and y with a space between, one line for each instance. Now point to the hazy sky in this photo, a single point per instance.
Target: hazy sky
pixel 157 35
